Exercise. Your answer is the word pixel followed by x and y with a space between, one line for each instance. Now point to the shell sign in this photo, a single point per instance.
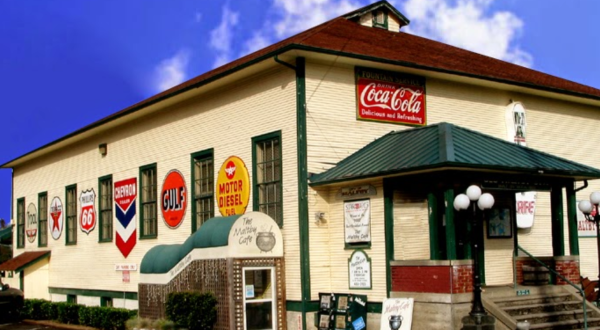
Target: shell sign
pixel 233 187
pixel 173 199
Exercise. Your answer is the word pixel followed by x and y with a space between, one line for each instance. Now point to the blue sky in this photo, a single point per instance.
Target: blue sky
pixel 65 64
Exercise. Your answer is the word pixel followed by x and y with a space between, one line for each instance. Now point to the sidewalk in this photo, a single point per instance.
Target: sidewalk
pixel 59 325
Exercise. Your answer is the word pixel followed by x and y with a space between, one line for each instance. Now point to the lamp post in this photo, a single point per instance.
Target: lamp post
pixel 473 199
pixel 590 211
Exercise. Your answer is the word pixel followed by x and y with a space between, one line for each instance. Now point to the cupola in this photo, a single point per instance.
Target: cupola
pixel 379 15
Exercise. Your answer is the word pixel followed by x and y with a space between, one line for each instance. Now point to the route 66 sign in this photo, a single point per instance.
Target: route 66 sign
pixel 87 221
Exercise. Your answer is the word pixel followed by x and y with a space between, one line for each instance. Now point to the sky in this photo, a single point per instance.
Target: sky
pixel 65 64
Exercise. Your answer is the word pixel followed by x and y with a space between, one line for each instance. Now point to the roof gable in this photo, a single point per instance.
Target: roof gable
pixel 443 146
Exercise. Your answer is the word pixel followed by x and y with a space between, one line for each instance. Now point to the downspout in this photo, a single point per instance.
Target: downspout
pixel 300 70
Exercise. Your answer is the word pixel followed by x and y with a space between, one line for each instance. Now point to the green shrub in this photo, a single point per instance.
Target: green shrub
pixel 32 309
pixel 67 312
pixel 192 310
pixel 49 310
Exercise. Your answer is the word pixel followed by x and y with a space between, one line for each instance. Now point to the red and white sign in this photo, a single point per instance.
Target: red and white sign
pixel 55 225
pixel 125 194
pixel 585 228
pixel 173 199
pixel 390 97
pixel 32 224
pixel 87 221
pixel 126 276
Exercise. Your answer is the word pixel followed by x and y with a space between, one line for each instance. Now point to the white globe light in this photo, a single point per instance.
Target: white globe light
pixel 461 202
pixel 595 198
pixel 486 201
pixel 474 192
pixel 585 207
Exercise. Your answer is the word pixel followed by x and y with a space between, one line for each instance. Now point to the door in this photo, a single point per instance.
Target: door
pixel 259 298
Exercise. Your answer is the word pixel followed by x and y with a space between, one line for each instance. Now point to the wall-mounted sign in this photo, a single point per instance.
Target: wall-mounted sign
pixel 357 221
pixel 87 221
pixel 359 270
pixel 233 187
pixel 585 228
pixel 122 267
pixel 31 226
pixel 394 307
pixel 126 231
pixel 55 225
pixel 356 192
pixel 173 199
pixel 516 131
pixel 390 97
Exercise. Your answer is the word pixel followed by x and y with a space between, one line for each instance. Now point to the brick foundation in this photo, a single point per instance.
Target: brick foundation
pixel 443 276
pixel 567 266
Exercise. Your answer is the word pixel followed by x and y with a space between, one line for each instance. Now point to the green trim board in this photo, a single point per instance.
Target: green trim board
pixel 68 190
pixel 572 220
pixel 101 180
pixel 94 293
pixel 141 201
pixel 558 232
pixel 203 155
pixel 388 218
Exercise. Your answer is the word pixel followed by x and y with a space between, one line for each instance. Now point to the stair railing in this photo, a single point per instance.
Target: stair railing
pixel 563 278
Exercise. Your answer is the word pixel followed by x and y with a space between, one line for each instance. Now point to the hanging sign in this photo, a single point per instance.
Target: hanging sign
pixel 32 223
pixel 516 129
pixel 585 228
pixel 359 269
pixel 126 231
pixel 55 225
pixel 357 221
pixel 390 97
pixel 233 187
pixel 173 199
pixel 87 221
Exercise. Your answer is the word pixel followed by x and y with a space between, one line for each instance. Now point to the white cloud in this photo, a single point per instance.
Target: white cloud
pixel 222 36
pixel 171 71
pixel 469 24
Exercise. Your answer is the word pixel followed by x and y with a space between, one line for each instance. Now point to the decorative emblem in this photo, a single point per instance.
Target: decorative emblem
pixel 55 226
pixel 173 199
pixel 31 227
pixel 126 232
pixel 87 221
pixel 233 187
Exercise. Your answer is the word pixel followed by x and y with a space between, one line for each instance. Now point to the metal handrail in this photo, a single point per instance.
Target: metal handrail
pixel 564 279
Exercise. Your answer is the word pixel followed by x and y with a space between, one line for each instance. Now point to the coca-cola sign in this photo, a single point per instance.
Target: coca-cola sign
pixel 390 97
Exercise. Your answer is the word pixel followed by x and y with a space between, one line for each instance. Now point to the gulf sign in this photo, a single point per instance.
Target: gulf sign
pixel 390 97
pixel 233 187
pixel 173 197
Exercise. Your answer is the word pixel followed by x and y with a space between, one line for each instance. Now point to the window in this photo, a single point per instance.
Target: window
pixel 71 214
pixel 203 189
pixel 71 299
pixel 21 223
pixel 267 175
pixel 380 19
pixel 260 300
pixel 106 302
pixel 148 225
pixel 106 212
pixel 43 219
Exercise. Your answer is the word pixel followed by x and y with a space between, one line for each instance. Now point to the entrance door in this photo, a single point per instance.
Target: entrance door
pixel 259 298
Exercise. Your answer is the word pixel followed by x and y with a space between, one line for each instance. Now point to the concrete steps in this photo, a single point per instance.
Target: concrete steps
pixel 553 307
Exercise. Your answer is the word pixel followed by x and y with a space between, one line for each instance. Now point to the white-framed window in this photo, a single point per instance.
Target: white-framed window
pixel 260 302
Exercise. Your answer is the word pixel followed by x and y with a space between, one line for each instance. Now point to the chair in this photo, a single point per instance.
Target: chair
pixel 590 288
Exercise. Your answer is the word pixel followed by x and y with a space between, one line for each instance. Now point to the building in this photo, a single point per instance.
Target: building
pixel 354 138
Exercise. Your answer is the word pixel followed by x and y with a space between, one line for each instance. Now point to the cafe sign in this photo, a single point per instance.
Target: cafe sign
pixel 391 97
pixel 233 187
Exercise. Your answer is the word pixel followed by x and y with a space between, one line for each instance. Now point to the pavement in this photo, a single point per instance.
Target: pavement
pixel 42 325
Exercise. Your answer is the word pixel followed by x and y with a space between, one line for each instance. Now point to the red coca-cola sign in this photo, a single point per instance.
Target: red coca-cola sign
pixel 390 97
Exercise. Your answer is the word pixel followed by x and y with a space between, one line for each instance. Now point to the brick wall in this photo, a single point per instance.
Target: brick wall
pixel 433 279
pixel 569 268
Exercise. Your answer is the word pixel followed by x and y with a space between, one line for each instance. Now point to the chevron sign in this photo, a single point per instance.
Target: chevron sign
pixel 125 194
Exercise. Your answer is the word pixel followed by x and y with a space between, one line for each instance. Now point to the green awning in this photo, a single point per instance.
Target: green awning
pixel 446 146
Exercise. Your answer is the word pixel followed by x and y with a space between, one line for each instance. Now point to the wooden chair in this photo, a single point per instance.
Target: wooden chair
pixel 590 288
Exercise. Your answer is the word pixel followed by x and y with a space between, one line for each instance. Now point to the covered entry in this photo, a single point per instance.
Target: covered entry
pixel 238 258
pixel 424 169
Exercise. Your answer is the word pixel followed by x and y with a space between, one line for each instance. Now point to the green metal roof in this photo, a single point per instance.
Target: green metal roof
pixel 443 146
pixel 213 233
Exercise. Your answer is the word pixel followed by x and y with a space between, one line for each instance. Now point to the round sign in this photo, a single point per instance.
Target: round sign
pixel 31 224
pixel 55 225
pixel 233 187
pixel 173 199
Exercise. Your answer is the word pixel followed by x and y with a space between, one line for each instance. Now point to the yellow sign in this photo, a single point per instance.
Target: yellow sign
pixel 233 187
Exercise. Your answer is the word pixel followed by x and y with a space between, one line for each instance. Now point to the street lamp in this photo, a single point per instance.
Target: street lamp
pixel 484 202
pixel 590 211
